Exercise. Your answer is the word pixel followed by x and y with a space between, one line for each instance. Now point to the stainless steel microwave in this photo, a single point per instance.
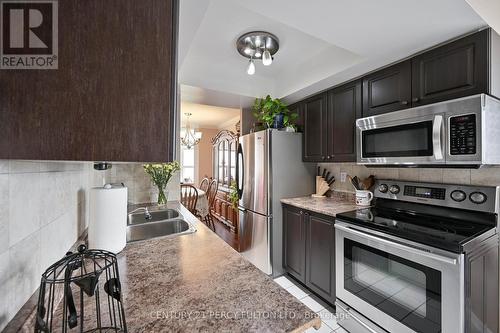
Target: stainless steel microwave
pixel 463 132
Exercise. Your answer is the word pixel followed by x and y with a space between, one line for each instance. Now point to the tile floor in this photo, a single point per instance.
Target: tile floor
pixel 326 313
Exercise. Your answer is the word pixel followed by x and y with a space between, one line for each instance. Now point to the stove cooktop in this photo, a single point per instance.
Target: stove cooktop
pixel 438 231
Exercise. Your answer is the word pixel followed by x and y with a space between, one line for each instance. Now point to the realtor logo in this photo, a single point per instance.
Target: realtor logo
pixel 28 35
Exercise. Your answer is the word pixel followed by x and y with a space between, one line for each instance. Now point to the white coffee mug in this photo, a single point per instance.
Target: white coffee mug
pixel 363 198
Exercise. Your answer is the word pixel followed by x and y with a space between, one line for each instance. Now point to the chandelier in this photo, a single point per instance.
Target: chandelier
pixel 189 138
pixel 257 45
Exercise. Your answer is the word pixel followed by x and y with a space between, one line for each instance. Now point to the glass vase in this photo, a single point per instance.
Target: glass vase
pixel 162 196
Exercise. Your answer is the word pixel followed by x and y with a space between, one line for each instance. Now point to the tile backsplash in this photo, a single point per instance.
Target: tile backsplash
pixel 140 188
pixel 483 176
pixel 43 211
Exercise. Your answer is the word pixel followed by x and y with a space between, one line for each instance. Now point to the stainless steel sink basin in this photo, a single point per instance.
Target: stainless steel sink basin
pixel 156 215
pixel 163 222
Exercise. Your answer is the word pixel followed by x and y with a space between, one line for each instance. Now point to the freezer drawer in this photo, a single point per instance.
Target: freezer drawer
pixel 255 246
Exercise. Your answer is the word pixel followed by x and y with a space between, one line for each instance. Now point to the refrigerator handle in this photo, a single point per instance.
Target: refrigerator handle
pixel 240 153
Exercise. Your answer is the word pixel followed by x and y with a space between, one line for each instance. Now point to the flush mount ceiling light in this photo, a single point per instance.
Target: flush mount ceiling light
pixel 257 45
pixel 189 137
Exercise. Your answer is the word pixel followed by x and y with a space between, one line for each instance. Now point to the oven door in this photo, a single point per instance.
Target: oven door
pixel 406 141
pixel 399 285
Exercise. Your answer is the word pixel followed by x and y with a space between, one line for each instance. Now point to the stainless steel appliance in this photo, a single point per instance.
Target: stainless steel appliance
pixel 424 258
pixel 462 132
pixel 270 168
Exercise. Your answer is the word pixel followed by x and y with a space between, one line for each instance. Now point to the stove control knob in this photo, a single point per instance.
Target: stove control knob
pixel 383 188
pixel 477 197
pixel 394 189
pixel 458 195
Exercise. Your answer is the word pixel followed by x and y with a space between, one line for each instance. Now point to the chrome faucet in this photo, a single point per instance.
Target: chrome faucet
pixel 147 214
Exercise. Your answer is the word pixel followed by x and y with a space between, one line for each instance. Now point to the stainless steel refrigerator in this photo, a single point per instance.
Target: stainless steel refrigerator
pixel 269 168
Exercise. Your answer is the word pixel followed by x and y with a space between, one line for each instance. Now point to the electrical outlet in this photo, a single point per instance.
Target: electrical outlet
pixel 343 176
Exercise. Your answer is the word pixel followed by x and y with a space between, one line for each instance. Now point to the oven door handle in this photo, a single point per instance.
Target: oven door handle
pixel 437 128
pixel 408 248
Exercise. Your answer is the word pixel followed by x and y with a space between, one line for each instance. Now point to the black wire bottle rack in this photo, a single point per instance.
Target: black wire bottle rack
pixel 81 293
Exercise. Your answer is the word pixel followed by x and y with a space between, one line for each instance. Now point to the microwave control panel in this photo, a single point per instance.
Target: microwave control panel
pixel 463 135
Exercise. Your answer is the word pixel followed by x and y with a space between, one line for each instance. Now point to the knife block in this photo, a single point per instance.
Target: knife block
pixel 321 187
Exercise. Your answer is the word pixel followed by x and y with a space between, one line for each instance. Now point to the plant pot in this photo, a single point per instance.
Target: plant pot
pixel 290 129
pixel 278 121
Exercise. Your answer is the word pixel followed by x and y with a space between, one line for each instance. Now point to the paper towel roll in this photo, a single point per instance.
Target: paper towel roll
pixel 108 218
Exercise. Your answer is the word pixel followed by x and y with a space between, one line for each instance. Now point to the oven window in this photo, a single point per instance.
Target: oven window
pixel 399 141
pixel 407 291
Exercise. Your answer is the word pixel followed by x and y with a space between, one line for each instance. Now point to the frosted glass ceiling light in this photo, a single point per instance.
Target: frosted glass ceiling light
pixel 266 58
pixel 257 45
pixel 251 67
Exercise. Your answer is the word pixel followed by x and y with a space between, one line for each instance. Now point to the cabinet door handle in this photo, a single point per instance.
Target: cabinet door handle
pixel 415 99
pixel 404 102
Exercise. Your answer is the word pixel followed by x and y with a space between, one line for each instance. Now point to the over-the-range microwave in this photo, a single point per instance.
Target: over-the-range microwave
pixel 463 132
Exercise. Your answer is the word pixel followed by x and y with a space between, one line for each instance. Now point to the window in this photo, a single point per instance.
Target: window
pixel 187 165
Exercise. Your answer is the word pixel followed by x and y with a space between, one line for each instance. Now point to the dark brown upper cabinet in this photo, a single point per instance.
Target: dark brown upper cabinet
pixel 315 128
pixel 464 67
pixel 454 70
pixel 344 107
pixel 387 90
pixel 329 124
pixel 113 97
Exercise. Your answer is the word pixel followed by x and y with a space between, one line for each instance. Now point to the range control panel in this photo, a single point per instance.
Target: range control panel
pixel 479 198
pixel 463 135
pixel 425 192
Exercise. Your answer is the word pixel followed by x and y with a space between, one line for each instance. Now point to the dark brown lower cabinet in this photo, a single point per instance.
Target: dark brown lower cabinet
pixel 309 250
pixel 294 243
pixel 320 255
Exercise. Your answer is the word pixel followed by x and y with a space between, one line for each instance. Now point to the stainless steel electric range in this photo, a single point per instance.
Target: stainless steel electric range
pixel 424 258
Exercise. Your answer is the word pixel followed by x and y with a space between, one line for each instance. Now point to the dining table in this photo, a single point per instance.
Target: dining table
pixel 202 208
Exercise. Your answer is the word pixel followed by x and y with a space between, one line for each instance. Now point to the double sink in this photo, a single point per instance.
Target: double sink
pixel 143 225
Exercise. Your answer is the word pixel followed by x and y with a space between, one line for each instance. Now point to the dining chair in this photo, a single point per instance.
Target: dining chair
pixel 204 184
pixel 189 197
pixel 211 194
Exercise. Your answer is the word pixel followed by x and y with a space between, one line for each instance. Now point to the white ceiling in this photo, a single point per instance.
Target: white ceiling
pixel 322 42
pixel 206 116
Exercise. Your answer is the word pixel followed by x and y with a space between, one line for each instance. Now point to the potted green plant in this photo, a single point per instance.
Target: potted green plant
pixel 161 174
pixel 273 112
pixel 233 194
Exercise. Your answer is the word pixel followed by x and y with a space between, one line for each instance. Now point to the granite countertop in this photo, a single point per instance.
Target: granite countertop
pixel 197 282
pixel 327 206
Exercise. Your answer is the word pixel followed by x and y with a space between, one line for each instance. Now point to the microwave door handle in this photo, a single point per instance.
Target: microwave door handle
pixel 437 128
